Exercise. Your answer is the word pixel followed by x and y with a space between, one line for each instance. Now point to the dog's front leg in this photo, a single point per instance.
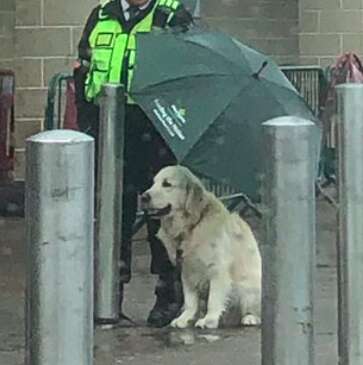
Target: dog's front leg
pixel 190 306
pixel 220 287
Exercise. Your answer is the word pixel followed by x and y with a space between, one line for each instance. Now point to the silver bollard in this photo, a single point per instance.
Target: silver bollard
pixel 196 12
pixel 288 246
pixel 350 234
pixel 59 248
pixel 109 203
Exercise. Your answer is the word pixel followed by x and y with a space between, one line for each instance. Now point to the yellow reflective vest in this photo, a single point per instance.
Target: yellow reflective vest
pixel 113 51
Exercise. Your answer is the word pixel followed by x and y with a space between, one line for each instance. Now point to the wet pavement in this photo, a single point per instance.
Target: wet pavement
pixel 142 345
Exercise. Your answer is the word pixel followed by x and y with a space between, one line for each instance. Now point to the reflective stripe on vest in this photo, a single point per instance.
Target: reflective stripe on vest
pixel 110 46
pixel 172 4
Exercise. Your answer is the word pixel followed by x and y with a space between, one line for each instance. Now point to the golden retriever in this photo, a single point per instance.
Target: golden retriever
pixel 219 250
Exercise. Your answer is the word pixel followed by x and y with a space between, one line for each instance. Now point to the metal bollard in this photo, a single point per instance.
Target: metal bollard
pixel 59 248
pixel 196 12
pixel 350 234
pixel 109 203
pixel 288 247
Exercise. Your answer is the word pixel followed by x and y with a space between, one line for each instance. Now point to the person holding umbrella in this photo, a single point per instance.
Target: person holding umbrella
pixel 108 42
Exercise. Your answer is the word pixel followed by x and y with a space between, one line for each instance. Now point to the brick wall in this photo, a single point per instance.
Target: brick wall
pixel 328 28
pixel 46 33
pixel 7 21
pixel 268 25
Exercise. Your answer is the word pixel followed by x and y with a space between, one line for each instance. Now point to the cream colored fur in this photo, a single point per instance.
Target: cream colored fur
pixel 220 251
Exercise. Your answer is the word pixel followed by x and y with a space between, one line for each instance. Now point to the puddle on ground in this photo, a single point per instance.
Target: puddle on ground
pixel 141 339
pixel 188 337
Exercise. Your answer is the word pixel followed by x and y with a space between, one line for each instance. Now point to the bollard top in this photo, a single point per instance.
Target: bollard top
pixel 349 86
pixel 288 121
pixel 113 90
pixel 63 136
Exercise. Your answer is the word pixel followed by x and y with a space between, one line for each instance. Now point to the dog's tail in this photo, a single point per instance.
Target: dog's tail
pixel 244 233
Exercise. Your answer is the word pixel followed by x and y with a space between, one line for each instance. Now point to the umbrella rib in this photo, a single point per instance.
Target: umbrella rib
pixel 181 78
pixel 240 64
pixel 235 65
pixel 285 88
pixel 221 56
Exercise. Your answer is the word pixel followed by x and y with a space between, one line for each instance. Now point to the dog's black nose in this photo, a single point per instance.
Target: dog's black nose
pixel 145 198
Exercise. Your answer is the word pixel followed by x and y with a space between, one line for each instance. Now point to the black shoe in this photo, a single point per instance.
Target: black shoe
pixel 162 314
pixel 167 306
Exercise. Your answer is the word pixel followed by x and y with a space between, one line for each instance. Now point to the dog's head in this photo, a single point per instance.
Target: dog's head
pixel 175 189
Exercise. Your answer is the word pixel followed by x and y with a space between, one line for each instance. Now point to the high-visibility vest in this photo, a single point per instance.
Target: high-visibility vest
pixel 114 51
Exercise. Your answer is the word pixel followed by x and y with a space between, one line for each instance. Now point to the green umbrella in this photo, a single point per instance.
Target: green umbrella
pixel 208 94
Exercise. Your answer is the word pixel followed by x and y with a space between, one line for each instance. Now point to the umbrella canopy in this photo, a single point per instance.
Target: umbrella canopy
pixel 208 95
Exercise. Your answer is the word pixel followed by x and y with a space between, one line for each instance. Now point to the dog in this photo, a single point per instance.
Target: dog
pixel 220 254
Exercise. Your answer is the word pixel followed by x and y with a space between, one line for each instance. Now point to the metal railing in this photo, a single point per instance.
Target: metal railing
pixel 56 101
pixel 310 82
pixel 7 121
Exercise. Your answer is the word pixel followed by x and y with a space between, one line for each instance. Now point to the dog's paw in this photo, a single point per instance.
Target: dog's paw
pixel 181 322
pixel 251 320
pixel 206 322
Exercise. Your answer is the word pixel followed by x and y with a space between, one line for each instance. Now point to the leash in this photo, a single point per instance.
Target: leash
pixel 179 262
pixel 178 274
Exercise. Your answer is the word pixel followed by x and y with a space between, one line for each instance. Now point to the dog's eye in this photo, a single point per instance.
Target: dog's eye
pixel 166 184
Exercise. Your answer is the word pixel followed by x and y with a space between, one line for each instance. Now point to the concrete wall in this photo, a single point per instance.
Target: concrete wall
pixel 46 34
pixel 268 25
pixel 329 28
pixel 7 22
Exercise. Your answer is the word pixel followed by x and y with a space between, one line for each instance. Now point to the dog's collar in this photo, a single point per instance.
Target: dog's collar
pixel 179 256
pixel 201 216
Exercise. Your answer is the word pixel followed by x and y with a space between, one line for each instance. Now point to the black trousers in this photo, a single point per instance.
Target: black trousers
pixel 145 154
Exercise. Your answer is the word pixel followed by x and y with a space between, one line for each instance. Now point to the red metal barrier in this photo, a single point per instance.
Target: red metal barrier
pixel 70 113
pixel 7 90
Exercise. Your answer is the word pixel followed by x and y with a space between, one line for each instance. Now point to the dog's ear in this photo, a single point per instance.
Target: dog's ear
pixel 194 198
